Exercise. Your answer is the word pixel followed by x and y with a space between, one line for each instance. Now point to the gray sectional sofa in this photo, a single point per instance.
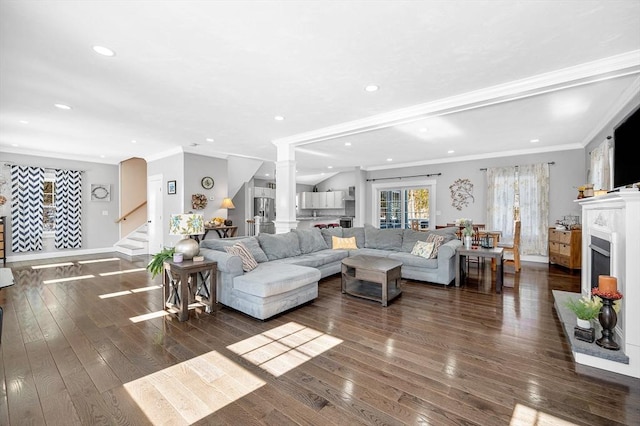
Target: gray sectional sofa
pixel 291 264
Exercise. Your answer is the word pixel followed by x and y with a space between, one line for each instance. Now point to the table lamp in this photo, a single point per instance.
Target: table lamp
pixel 187 224
pixel 227 204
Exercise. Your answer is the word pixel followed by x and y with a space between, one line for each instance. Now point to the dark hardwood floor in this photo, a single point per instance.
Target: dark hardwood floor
pixel 91 351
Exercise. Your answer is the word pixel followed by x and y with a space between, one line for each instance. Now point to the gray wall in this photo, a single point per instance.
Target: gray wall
pixel 188 170
pixel 99 231
pixel 566 175
pixel 608 130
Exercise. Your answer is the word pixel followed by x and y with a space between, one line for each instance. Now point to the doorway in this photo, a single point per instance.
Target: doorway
pixel 154 213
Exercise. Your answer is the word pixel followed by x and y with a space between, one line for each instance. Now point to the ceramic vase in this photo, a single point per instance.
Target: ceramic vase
pixel 586 324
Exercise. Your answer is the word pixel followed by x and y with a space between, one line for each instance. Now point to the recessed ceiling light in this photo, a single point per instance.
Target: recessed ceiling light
pixel 278 118
pixel 371 88
pixel 534 140
pixel 104 51
pixel 389 159
pixel 423 129
pixel 266 174
pixel 102 155
pixel 450 151
pixel 62 106
pixel 329 167
pixel 134 141
pixel 347 144
pixel 23 122
pixel 209 139
pixel 14 144
pixel 322 174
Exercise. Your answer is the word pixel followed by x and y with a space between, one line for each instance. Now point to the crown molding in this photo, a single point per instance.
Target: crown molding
pixel 588 73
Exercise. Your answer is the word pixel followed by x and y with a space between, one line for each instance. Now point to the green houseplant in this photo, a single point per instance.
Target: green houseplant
pixel 156 264
pixel 585 308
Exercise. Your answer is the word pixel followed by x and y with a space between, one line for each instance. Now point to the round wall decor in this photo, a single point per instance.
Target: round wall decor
pixel 207 182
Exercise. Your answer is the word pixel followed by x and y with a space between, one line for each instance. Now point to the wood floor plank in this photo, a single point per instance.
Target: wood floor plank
pixel 437 355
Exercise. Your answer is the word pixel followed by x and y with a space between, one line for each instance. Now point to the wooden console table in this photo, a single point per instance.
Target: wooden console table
pixel 180 280
pixel 222 231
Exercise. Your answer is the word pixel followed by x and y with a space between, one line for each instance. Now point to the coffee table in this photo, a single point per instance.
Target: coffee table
pixel 370 277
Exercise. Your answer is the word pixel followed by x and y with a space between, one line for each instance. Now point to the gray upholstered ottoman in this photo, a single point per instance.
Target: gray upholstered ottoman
pixel 273 288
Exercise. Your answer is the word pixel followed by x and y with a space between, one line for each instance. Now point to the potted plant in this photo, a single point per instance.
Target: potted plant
pixel 155 266
pixel 586 309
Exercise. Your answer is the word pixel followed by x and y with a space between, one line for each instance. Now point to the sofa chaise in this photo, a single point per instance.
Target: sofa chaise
pixel 290 265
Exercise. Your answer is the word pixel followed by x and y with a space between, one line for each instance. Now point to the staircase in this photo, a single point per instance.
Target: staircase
pixel 135 243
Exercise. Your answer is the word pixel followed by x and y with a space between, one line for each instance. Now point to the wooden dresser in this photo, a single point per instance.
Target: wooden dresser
pixel 3 250
pixel 565 248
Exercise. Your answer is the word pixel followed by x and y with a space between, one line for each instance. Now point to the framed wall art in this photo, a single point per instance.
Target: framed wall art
pixel 171 187
pixel 100 192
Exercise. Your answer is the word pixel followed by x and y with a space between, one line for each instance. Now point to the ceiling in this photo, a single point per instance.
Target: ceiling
pixel 480 78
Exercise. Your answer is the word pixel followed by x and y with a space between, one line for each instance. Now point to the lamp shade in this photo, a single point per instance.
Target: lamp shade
pixel 227 204
pixel 186 224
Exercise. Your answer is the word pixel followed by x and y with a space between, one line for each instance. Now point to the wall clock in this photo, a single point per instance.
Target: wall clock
pixel 207 182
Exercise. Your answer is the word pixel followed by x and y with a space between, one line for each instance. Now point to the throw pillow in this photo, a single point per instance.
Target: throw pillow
pixel 423 249
pixel 343 243
pixel 248 261
pixel 437 241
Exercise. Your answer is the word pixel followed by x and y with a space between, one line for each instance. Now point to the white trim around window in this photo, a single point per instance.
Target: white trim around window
pixel 403 184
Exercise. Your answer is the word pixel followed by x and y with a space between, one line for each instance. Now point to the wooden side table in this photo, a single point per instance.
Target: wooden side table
pixel 492 253
pixel 189 281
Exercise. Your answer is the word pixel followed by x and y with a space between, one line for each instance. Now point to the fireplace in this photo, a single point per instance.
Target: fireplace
pixel 610 246
pixel 600 258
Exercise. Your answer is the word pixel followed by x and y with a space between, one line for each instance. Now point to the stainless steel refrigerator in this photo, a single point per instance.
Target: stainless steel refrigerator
pixel 264 214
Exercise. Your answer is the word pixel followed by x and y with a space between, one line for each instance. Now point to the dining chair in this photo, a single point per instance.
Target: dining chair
pixel 513 246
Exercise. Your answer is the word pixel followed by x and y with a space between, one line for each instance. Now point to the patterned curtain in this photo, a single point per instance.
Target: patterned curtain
pixel 68 198
pixel 501 198
pixel 27 197
pixel 533 183
pixel 600 167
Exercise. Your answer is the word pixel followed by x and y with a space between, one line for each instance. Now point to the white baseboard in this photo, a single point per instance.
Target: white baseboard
pixel 56 254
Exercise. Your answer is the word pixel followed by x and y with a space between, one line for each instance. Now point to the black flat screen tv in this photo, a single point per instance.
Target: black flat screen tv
pixel 626 167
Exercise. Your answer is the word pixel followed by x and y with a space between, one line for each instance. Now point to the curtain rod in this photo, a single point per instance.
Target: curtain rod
pixel 404 177
pixel 46 168
pixel 551 163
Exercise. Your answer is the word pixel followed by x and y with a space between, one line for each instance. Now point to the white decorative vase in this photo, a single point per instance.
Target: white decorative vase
pixel 586 324
pixel 467 242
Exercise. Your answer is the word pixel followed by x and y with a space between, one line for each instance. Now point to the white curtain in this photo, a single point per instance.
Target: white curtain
pixel 600 166
pixel 501 198
pixel 520 192
pixel 533 182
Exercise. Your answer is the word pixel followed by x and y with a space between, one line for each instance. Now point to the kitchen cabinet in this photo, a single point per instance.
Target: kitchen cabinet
pixel 321 200
pixel 260 192
pixel 565 247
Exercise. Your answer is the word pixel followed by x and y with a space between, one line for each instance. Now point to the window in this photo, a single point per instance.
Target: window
pixel 398 206
pixel 49 205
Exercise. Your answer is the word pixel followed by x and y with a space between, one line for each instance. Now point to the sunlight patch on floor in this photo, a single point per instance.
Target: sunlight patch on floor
pixel 150 315
pixel 111 259
pixel 132 291
pixel 187 392
pixel 527 416
pixel 52 265
pixel 62 280
pixel 126 271
pixel 283 348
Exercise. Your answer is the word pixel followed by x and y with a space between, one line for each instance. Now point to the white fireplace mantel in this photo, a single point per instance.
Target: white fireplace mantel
pixel 616 217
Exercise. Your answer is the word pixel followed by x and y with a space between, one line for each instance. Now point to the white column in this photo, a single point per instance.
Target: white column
pixel 285 188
